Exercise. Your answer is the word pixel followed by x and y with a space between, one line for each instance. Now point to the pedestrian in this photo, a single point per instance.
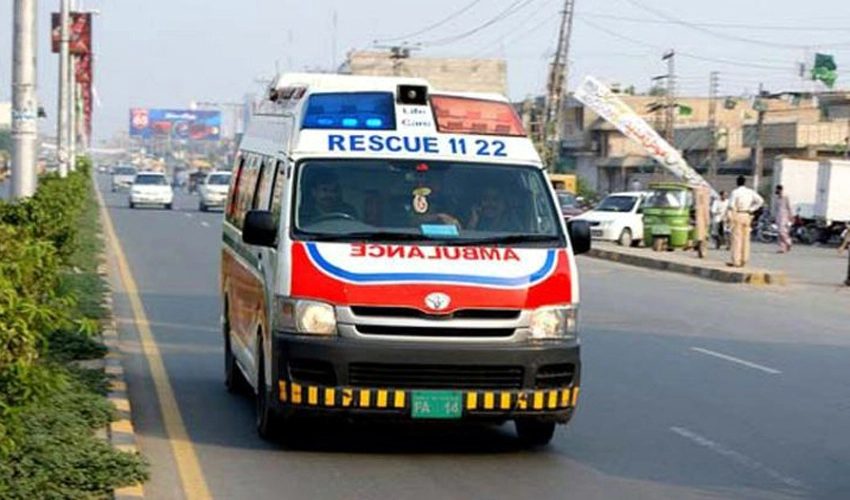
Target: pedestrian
pixel 845 239
pixel 742 203
pixel 782 217
pixel 719 217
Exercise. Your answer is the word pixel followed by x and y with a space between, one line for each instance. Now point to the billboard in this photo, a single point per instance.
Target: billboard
pixel 152 123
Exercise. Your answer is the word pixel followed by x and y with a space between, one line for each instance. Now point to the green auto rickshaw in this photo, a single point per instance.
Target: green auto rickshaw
pixel 675 215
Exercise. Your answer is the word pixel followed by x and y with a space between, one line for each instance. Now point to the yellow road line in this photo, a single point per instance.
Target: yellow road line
pixel 188 466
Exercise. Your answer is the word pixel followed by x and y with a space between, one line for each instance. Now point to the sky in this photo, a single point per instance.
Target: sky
pixel 168 53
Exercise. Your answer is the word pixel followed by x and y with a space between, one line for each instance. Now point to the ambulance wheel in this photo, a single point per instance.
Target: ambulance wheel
pixel 625 238
pixel 269 423
pixel 234 379
pixel 534 433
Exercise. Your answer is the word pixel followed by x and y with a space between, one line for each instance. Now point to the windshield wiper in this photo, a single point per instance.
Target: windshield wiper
pixel 510 239
pixel 368 236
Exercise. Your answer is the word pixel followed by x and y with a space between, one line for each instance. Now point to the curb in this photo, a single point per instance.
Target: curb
pixel 120 433
pixel 713 273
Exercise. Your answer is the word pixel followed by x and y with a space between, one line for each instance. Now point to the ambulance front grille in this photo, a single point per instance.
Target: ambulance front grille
pixel 409 312
pixel 436 332
pixel 403 376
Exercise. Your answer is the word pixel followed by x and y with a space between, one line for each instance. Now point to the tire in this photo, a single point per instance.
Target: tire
pixel 202 207
pixel 132 205
pixel 234 379
pixel 764 236
pixel 534 433
pixel 626 238
pixel 266 418
pixel 169 206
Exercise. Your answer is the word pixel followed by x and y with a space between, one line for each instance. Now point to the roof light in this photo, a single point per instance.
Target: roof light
pixel 458 115
pixel 350 110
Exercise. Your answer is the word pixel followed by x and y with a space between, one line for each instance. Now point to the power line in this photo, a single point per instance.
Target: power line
pixel 725 36
pixel 512 33
pixel 512 9
pixel 646 20
pixel 434 26
pixel 729 62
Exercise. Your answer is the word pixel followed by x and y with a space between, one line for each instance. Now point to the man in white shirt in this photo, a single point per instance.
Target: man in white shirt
pixel 742 203
pixel 719 215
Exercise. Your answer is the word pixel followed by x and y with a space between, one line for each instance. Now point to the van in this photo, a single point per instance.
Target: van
pixel 392 251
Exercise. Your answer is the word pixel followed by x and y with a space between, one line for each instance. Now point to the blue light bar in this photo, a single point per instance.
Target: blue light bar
pixel 351 110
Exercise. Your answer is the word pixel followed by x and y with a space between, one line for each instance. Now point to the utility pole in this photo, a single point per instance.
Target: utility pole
pixel 670 120
pixel 398 53
pixel 62 111
pixel 72 106
pixel 24 100
pixel 761 107
pixel 713 90
pixel 557 91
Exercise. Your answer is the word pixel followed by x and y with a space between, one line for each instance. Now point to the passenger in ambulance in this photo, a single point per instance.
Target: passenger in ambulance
pixel 492 213
pixel 324 200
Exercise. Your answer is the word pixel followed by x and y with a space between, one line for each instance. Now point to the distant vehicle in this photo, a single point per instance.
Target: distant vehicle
pixel 619 217
pixel 213 191
pixel 122 177
pixel 151 188
pixel 195 180
pixel 569 203
pixel 102 168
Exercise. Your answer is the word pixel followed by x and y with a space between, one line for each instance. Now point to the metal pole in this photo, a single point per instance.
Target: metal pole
pixel 713 88
pixel 759 159
pixel 62 130
pixel 670 131
pixel 24 100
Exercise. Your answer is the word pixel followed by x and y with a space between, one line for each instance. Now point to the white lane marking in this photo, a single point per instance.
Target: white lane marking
pixel 189 215
pixel 205 224
pixel 733 455
pixel 755 366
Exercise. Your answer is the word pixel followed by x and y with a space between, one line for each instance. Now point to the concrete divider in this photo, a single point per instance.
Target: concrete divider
pixel 682 264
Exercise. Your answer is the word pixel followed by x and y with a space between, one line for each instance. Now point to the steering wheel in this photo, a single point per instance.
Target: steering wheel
pixel 335 215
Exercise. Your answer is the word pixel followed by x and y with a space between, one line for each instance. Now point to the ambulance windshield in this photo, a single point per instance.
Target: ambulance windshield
pixel 455 203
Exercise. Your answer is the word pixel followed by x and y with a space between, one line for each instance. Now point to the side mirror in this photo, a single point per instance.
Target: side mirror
pixel 259 228
pixel 579 236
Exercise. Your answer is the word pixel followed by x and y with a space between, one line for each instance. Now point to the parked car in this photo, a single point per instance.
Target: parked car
pixel 569 203
pixel 122 177
pixel 151 188
pixel 618 217
pixel 213 191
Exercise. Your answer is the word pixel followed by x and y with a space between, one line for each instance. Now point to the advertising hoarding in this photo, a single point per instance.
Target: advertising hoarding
pixel 183 124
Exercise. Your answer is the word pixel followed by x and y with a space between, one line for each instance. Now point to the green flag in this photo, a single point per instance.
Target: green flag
pixel 825 69
pixel 685 110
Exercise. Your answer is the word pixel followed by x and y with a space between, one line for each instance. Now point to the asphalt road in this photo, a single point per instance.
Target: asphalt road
pixel 691 389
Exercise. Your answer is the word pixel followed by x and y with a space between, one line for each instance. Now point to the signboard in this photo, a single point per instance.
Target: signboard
pixel 595 95
pixel 183 124
pixel 80 40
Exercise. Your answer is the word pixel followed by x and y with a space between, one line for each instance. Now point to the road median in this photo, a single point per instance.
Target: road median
pixel 682 263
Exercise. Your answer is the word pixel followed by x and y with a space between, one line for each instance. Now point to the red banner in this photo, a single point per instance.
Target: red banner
pixel 80 46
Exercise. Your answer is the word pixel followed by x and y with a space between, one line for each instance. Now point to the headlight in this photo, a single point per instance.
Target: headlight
pixel 550 323
pixel 305 316
pixel 606 223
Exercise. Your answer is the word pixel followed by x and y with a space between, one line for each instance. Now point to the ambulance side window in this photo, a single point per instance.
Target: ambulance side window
pixel 246 188
pixel 262 194
pixel 278 189
pixel 232 203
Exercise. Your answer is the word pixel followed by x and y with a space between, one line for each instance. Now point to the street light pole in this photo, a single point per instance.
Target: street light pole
pixel 62 130
pixel 24 99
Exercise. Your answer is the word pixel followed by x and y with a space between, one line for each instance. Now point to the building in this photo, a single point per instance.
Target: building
pixel 448 74
pixel 5 115
pixel 799 125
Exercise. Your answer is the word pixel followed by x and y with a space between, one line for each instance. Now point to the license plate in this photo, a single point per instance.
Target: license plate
pixel 437 404
pixel 596 232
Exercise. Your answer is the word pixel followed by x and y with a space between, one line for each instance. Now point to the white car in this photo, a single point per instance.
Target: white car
pixel 151 188
pixel 619 217
pixel 213 191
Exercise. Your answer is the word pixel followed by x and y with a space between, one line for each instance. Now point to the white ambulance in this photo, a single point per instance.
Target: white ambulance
pixel 392 251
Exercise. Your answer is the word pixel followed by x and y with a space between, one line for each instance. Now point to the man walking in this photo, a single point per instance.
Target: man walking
pixel 782 216
pixel 742 203
pixel 719 215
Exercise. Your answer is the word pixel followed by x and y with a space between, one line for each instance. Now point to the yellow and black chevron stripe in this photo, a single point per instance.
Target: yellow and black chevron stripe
pixel 397 399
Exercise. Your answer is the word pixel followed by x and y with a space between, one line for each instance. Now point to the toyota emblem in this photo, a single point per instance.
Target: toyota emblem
pixel 437 301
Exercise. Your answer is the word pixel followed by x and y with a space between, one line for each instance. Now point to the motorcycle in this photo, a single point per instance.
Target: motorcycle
pixel 766 229
pixel 802 231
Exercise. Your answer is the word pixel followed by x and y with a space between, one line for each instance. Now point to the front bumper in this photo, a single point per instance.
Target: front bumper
pixel 603 233
pixel 334 382
pixel 214 201
pixel 151 200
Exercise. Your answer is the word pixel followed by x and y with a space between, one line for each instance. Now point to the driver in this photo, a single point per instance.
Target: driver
pixel 324 199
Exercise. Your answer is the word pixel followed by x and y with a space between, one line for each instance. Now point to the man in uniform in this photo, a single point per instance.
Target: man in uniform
pixel 742 203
